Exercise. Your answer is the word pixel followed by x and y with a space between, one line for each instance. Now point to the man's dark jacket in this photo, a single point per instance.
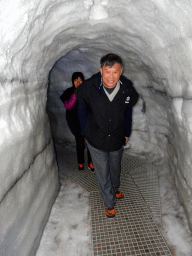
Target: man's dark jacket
pixel 105 124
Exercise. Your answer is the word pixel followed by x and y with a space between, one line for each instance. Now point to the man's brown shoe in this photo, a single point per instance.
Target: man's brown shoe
pixel 110 212
pixel 119 195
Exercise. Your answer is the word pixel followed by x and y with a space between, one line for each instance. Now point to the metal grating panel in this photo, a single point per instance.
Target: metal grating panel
pixel 131 163
pixel 146 179
pixel 134 230
pixel 86 178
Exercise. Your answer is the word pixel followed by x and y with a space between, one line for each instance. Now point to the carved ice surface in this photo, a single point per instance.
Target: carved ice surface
pixel 154 39
pixel 98 11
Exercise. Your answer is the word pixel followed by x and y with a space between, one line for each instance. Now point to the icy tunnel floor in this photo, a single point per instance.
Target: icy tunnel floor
pixel 136 228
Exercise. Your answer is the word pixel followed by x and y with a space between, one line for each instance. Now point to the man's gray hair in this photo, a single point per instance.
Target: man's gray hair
pixel 110 59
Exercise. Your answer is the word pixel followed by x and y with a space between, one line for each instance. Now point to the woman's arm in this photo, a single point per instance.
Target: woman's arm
pixel 69 105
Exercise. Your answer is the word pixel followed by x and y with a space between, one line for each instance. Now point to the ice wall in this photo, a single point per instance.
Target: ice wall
pixel 28 174
pixel 154 39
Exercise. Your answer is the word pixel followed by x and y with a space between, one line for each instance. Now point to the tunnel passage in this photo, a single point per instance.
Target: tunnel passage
pixel 153 37
pixel 150 128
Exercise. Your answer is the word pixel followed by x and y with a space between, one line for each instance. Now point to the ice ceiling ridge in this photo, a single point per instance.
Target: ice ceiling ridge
pixel 13 80
pixel 149 36
pixel 181 97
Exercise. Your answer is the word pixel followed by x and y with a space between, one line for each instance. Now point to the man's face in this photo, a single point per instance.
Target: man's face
pixel 111 75
pixel 77 82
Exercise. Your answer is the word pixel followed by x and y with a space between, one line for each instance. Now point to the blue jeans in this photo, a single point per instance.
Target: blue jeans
pixel 107 169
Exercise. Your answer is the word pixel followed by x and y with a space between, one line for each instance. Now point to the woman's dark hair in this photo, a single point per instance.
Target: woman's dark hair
pixel 76 75
pixel 110 59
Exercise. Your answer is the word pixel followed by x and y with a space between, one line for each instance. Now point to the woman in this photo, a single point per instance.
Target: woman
pixel 71 104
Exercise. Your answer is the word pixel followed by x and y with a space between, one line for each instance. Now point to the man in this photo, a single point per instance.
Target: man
pixel 105 111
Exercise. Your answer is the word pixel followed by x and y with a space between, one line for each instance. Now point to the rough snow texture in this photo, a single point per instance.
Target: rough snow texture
pixel 154 39
pixel 68 231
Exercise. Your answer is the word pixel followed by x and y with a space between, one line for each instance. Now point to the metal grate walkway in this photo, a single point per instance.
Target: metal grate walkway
pixel 135 229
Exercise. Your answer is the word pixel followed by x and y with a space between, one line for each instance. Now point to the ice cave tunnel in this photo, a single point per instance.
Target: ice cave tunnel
pixel 154 39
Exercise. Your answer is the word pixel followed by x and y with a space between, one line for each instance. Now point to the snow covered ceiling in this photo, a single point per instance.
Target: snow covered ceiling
pixel 152 36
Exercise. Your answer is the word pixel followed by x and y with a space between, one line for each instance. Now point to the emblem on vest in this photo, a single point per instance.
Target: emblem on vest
pixel 127 99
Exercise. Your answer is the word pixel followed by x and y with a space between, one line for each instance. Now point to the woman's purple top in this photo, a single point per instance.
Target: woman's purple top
pixel 69 105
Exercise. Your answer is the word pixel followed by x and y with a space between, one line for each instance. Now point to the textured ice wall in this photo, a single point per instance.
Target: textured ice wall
pixel 154 39
pixel 28 174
